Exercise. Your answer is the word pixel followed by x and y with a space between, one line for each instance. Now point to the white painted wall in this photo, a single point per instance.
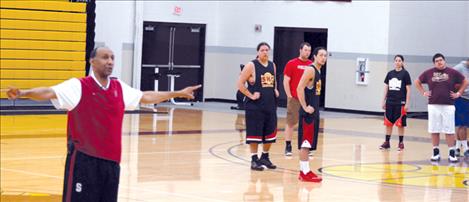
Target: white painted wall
pixel 345 21
pixel 114 27
pixel 423 29
pixel 342 92
pixel 350 29
pixel 204 12
pixel 358 29
pixel 466 39
pixel 418 28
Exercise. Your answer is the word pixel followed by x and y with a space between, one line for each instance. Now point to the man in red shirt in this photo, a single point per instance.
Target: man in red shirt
pixel 95 106
pixel 292 75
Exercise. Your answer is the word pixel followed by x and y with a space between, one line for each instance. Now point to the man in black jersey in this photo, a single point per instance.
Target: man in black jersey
pixel 309 91
pixel 260 106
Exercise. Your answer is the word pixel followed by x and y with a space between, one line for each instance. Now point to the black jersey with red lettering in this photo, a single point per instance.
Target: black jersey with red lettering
pixel 265 85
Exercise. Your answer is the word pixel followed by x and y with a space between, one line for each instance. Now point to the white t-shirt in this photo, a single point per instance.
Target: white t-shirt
pixel 69 94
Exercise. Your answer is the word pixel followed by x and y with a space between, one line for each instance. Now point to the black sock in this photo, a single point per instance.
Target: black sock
pixel 451 153
pixel 401 139
pixel 388 137
pixel 288 143
pixel 436 151
pixel 254 157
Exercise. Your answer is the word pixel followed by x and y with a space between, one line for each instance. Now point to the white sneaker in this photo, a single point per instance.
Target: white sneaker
pixel 435 158
pixel 453 159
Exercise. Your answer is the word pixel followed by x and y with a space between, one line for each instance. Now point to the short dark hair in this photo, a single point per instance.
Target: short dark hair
pixel 94 52
pixel 438 55
pixel 262 44
pixel 304 44
pixel 317 49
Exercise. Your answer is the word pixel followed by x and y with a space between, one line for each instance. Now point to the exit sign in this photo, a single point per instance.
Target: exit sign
pixel 177 10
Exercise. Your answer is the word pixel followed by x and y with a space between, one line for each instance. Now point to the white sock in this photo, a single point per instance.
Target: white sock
pixel 458 143
pixel 464 145
pixel 304 167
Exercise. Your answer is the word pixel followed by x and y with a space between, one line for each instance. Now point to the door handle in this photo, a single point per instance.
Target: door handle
pixel 149 65
pixel 187 66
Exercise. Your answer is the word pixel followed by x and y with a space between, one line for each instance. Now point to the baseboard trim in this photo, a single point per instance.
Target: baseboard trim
pixel 220 100
pixel 409 114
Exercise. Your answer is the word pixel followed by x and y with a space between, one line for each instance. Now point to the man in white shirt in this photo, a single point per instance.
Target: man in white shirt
pixel 95 106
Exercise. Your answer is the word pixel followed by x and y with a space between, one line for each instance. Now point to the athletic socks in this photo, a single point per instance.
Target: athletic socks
pixel 464 145
pixel 388 137
pixel 304 167
pixel 254 157
pixel 461 143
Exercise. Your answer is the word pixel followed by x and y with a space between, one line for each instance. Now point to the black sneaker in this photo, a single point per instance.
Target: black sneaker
pixel 385 146
pixel 458 152
pixel 288 150
pixel 256 165
pixel 452 156
pixel 265 161
pixel 436 155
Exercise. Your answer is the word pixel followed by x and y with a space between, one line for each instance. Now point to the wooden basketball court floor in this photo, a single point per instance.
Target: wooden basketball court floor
pixel 200 155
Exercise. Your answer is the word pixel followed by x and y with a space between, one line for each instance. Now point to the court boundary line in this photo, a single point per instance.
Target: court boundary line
pixel 374 182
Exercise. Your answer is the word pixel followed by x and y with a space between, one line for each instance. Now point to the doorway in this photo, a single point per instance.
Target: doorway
pixel 173 54
pixel 286 47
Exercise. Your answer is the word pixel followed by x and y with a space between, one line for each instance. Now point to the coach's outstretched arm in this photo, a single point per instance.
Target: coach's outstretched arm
pixel 39 93
pixel 155 97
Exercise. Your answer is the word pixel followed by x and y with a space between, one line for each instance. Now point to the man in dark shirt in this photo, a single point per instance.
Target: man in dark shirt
pixel 442 82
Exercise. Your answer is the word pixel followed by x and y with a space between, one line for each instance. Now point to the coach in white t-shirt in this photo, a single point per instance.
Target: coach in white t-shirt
pixel 95 105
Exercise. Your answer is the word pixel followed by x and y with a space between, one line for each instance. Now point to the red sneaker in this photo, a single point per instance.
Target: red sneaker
pixel 309 177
